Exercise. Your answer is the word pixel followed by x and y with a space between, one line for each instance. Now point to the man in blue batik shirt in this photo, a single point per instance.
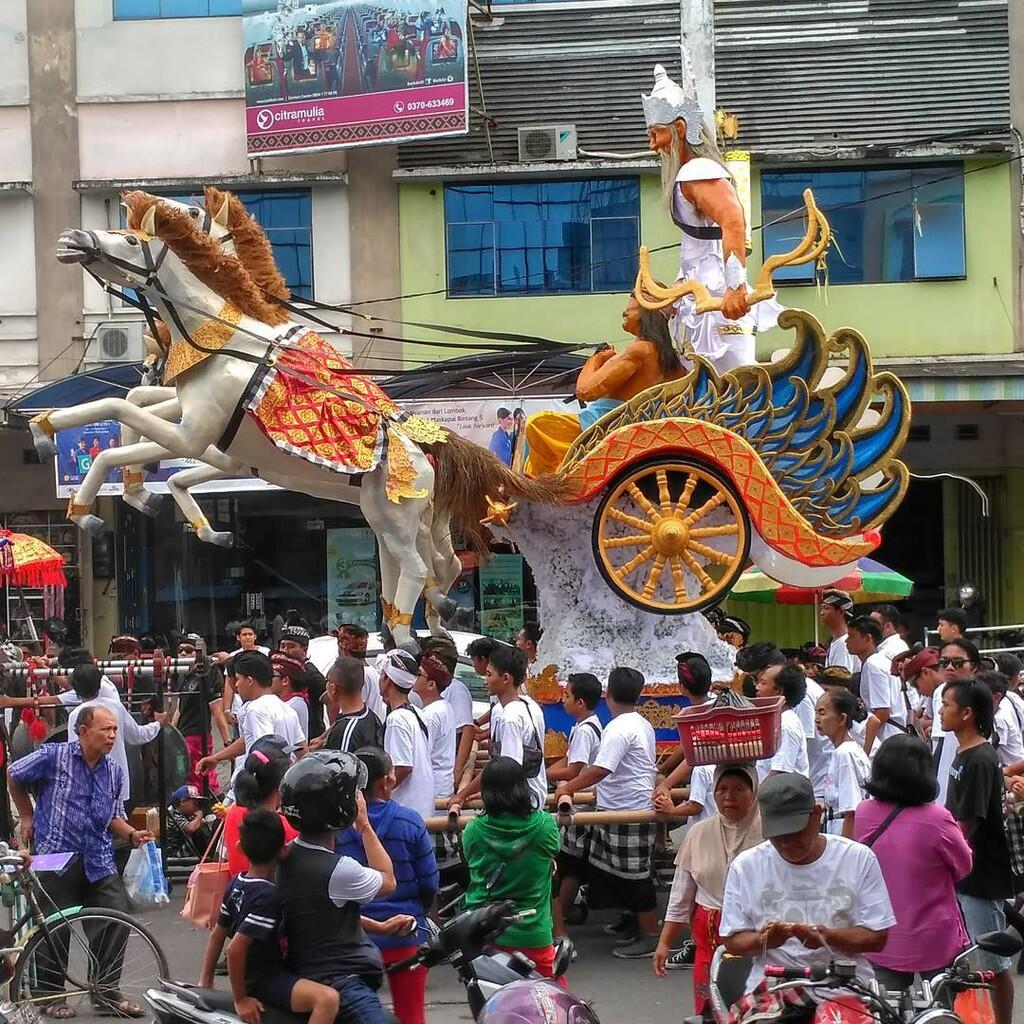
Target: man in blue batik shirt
pixel 79 810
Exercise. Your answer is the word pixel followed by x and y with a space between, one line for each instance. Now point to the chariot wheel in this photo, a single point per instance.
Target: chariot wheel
pixel 671 536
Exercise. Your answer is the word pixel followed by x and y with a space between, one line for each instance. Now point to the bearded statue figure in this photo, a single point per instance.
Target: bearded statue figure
pixel 703 204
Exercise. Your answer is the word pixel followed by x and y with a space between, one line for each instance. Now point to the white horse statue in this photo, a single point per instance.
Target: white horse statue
pixel 256 391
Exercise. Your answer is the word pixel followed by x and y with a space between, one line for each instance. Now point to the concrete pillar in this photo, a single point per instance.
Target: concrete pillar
pixel 373 236
pixel 52 107
pixel 1016 24
pixel 698 37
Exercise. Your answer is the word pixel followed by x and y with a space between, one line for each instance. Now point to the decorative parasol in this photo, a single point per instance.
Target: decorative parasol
pixel 869 582
pixel 25 561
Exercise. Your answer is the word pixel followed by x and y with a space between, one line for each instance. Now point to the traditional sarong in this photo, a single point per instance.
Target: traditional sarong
pixel 624 850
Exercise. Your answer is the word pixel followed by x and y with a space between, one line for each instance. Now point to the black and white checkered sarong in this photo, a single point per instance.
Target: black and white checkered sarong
pixel 576 841
pixel 623 850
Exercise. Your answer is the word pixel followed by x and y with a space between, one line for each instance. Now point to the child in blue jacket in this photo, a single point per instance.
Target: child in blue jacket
pixel 408 844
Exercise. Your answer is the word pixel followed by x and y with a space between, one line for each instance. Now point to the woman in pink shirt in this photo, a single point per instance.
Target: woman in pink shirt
pixel 922 853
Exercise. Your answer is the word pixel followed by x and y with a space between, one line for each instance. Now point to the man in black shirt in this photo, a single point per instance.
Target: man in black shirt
pixel 295 642
pixel 203 685
pixel 975 799
pixel 356 726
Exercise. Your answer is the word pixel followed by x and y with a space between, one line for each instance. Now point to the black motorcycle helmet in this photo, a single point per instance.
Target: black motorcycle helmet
pixel 318 794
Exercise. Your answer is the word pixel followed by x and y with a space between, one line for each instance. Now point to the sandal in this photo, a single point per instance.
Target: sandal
pixel 118 1008
pixel 59 1011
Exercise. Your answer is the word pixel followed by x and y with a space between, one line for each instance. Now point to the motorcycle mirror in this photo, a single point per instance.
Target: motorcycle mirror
pixel 1000 943
pixel 563 957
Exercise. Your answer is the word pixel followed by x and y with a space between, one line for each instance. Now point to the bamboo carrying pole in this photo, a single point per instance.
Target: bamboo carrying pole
pixel 579 799
pixel 450 824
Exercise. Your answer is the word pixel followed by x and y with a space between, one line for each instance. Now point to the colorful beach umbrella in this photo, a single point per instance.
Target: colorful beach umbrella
pixel 869 582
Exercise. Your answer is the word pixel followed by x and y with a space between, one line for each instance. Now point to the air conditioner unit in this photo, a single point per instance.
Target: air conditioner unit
pixel 547 143
pixel 119 343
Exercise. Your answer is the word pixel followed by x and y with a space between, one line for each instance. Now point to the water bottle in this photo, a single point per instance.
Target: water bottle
pixel 157 870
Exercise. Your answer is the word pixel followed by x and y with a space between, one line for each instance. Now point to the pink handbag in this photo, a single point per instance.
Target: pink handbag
pixel 205 888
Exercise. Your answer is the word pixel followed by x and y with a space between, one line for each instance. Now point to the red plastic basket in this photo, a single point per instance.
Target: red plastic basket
pixel 719 734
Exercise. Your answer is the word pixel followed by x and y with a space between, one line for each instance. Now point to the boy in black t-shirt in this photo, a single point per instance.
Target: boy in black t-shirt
pixel 975 799
pixel 356 726
pixel 250 916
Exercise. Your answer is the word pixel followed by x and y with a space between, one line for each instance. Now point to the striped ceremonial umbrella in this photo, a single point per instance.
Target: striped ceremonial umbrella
pixel 869 582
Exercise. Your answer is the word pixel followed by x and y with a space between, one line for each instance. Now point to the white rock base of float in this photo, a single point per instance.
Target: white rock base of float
pixel 587 627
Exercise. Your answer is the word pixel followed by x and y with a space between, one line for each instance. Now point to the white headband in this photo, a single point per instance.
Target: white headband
pixel 394 670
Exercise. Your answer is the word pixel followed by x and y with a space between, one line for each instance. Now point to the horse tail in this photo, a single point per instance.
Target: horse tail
pixel 466 474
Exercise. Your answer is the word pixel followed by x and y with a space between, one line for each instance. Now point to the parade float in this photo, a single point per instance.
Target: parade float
pixel 689 462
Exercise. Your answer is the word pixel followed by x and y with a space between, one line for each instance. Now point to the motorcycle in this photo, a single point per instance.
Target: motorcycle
pixel 930 1004
pixel 501 988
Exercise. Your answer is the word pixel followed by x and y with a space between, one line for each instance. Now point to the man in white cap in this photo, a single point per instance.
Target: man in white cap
pixel 406 734
pixel 705 206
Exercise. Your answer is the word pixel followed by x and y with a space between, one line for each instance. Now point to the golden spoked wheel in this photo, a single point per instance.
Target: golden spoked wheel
pixel 671 536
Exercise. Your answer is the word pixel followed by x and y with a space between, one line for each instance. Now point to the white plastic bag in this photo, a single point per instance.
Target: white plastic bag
pixel 143 878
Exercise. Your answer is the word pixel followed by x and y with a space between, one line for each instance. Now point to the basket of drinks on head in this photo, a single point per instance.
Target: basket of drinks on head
pixel 731 729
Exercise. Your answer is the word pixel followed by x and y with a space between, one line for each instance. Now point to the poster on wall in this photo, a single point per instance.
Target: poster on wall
pixel 352 577
pixel 492 423
pixel 501 597
pixel 341 73
pixel 77 449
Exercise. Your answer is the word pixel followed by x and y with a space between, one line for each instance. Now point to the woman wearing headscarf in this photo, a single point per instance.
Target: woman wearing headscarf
pixel 701 866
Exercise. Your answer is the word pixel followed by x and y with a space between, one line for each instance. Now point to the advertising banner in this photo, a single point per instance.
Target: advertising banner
pixel 501 597
pixel 493 423
pixel 352 577
pixel 342 73
pixel 79 446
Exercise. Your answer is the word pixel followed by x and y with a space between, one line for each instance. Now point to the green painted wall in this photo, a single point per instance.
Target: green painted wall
pixel 969 316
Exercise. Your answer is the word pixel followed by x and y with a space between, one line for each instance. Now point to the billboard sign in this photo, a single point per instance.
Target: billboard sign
pixel 342 73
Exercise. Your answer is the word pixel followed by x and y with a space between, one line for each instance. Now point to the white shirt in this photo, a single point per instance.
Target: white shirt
pixel 893 645
pixel 407 741
pixel 701 782
pixel 371 692
pixel 108 691
pixel 842 888
pixel 517 725
pixel 440 719
pixel 301 709
pixel 457 694
pixel 128 731
pixel 792 753
pixel 1008 732
pixel 948 742
pixel 817 747
pixel 839 654
pixel 268 715
pixel 584 741
pixel 848 771
pixel 880 690
pixel 628 751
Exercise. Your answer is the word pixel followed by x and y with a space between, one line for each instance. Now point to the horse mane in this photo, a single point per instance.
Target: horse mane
pixel 220 271
pixel 252 247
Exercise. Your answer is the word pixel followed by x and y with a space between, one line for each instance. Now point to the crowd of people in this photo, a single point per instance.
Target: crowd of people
pixel 882 830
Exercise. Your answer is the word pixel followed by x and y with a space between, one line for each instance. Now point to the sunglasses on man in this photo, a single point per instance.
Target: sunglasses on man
pixel 953 662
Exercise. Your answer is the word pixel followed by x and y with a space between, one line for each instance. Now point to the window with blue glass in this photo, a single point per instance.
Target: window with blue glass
pixel 542 237
pixel 286 215
pixel 888 223
pixel 134 10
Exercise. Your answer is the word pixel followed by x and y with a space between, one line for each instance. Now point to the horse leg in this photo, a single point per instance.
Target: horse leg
pixel 447 569
pixel 397 525
pixel 80 506
pixel 389 571
pixel 179 485
pixel 161 402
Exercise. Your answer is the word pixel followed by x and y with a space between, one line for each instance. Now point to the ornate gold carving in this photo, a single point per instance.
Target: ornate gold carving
pixel 543 687
pixel 421 430
pixel 499 512
pixel 211 334
pixel 727 329
pixel 44 424
pixel 77 510
pixel 556 744
pixel 401 473
pixel 389 612
pixel 132 478
pixel 659 715
pixel 404 619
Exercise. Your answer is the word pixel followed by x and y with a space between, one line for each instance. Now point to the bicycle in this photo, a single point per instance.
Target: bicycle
pixel 50 960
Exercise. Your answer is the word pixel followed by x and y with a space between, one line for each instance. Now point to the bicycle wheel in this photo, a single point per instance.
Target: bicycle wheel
pixel 109 957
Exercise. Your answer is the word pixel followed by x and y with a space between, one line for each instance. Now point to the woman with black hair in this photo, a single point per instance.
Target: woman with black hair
pixel 848 766
pixel 510 851
pixel 257 784
pixel 901 816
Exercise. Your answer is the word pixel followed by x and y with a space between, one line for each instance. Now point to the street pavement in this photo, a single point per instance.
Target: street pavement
pixel 620 990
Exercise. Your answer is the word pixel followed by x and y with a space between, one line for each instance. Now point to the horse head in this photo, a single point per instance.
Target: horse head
pixel 166 254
